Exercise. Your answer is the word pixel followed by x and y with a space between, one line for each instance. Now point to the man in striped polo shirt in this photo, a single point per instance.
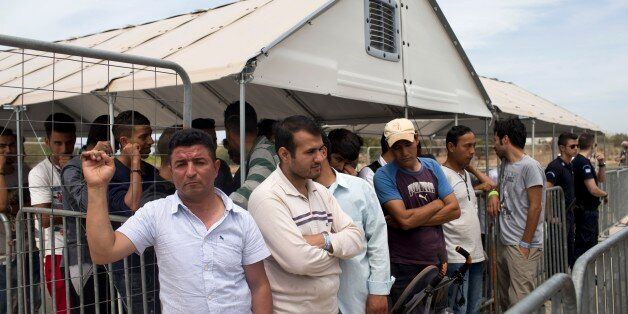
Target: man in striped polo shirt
pixel 302 224
pixel 261 157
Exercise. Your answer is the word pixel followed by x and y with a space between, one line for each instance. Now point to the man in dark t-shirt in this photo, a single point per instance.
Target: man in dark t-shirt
pixel 417 199
pixel 587 195
pixel 560 173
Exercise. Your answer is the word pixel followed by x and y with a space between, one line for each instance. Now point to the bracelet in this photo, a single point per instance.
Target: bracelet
pixel 493 193
pixel 327 238
pixel 601 165
pixel 524 245
pixel 137 170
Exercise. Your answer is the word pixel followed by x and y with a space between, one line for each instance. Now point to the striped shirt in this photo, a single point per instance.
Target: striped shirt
pixel 303 278
pixel 262 162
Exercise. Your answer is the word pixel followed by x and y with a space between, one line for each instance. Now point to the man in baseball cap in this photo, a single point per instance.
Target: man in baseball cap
pixel 417 200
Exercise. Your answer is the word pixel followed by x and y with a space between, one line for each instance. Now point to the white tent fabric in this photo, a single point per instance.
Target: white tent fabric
pixel 514 100
pixel 311 58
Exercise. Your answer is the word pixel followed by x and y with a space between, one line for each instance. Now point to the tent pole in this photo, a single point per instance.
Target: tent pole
pixel 245 76
pixel 20 215
pixel 242 130
pixel 111 101
pixel 554 142
pixel 486 146
pixel 533 135
pixel 455 119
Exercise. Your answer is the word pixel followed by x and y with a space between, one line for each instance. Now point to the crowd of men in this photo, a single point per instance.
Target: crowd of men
pixel 304 232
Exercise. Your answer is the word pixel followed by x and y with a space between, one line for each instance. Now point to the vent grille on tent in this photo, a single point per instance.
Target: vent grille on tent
pixel 382 32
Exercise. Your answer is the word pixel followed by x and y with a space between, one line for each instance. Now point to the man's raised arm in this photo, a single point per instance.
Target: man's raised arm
pixel 105 245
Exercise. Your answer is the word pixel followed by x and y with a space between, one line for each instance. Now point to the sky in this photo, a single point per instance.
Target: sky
pixel 571 52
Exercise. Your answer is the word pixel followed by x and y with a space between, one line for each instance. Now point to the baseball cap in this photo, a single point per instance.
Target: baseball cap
pixel 399 129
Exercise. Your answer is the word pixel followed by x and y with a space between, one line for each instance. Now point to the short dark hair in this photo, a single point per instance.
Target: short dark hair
pixel 203 123
pixel 585 140
pixel 233 125
pixel 163 143
pixel 344 143
pixel 384 144
pixel 98 130
pixel 514 128
pixel 455 133
pixel 191 137
pixel 266 128
pixel 232 118
pixel 59 122
pixel 7 132
pixel 284 132
pixel 125 121
pixel 565 136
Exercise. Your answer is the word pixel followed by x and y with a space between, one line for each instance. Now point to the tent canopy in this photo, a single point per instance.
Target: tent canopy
pixel 514 100
pixel 313 60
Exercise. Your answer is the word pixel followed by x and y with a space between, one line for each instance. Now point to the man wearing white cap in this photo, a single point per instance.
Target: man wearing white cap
pixel 417 200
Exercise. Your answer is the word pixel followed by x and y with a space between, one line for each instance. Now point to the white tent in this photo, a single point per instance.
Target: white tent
pixel 349 62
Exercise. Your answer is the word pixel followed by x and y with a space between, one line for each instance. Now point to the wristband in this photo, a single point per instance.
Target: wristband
pixel 601 165
pixel 493 193
pixel 524 245
pixel 327 238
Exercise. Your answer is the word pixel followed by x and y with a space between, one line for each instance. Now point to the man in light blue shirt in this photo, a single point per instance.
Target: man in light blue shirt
pixel 209 251
pixel 365 280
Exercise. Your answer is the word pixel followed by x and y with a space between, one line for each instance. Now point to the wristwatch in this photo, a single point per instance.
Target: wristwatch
pixel 327 246
pixel 524 245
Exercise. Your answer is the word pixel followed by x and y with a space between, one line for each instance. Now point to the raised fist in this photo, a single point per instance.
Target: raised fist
pixel 98 168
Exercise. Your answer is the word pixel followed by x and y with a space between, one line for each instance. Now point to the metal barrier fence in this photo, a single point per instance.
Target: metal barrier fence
pixel 600 276
pixel 617 206
pixel 44 271
pixel 126 286
pixel 557 292
pixel 554 258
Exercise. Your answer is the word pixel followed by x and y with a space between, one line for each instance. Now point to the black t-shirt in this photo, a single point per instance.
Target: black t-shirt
pixel 560 174
pixel 583 170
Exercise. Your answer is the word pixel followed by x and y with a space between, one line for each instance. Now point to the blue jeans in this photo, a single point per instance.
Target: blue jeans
pixel 471 289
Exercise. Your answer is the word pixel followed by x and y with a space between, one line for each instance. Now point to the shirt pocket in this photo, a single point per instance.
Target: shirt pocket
pixel 228 252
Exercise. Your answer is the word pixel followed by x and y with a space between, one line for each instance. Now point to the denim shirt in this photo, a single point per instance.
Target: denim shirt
pixel 368 272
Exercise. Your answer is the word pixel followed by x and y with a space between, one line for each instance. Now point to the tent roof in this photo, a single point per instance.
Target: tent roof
pixel 316 47
pixel 515 100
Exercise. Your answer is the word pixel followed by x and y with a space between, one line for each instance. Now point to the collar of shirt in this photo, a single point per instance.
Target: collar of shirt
pixel 289 189
pixel 340 182
pixel 381 160
pixel 178 203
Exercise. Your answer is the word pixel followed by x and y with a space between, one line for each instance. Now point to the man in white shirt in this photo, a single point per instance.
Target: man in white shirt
pixel 209 250
pixel 44 183
pixel 464 231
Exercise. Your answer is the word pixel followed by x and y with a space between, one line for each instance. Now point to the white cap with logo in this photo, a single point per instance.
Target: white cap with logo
pixel 399 129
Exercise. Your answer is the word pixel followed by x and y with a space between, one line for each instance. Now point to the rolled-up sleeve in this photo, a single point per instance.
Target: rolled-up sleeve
pixel 140 228
pixel 255 249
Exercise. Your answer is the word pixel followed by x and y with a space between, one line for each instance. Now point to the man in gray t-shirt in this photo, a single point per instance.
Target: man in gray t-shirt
pixel 519 203
pixel 518 177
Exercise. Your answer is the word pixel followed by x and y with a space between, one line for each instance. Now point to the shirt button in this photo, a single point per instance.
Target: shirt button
pixel 209 297
pixel 206 266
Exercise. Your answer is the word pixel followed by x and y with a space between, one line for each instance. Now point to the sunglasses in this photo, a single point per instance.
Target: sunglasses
pixel 573 146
